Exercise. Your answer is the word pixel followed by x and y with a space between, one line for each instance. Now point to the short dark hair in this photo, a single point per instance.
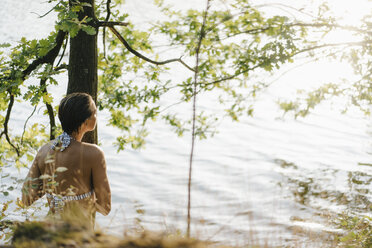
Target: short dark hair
pixel 74 110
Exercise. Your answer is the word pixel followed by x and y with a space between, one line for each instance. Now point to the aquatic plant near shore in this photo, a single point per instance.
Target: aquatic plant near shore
pixel 358 231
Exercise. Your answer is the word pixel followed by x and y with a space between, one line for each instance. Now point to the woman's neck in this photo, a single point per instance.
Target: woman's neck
pixel 78 136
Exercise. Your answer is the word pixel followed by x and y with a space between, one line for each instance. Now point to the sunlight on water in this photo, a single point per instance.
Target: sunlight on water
pixel 264 178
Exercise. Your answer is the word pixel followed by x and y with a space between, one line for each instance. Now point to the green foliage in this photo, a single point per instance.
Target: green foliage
pixel 130 101
pixel 12 69
pixel 355 93
pixel 312 99
pixel 233 46
pixel 9 206
pixel 177 125
pixel 136 141
pixel 68 18
pixel 358 231
pixel 358 93
pixel 238 43
pixel 30 141
pixel 14 62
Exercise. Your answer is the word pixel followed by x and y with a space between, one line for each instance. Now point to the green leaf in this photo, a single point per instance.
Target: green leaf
pixel 74 31
pixel 45 176
pixel 4 45
pixel 89 29
pixel 47 98
pixel 86 4
pixel 61 169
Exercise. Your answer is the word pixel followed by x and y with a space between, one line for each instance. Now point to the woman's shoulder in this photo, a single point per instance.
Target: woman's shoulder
pixel 44 150
pixel 94 155
pixel 43 153
pixel 93 150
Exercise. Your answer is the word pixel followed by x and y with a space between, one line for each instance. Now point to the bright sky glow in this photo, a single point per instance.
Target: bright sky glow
pixel 347 13
pixel 350 12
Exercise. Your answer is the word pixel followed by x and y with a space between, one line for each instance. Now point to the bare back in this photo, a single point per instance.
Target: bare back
pixel 79 169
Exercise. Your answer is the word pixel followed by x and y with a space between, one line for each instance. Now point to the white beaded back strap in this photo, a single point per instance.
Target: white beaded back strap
pixel 59 201
pixel 70 197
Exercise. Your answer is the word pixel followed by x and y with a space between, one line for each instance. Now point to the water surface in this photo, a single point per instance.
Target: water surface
pixel 264 178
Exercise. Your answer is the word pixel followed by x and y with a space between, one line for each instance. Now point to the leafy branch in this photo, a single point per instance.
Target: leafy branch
pixel 130 49
pixel 24 126
pixel 50 110
pixel 5 130
pixel 330 25
pixel 231 77
pixel 49 11
pixel 108 14
pixel 112 24
pixel 288 25
pixel 356 43
pixel 49 58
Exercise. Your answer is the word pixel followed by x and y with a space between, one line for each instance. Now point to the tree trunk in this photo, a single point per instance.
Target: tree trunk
pixel 82 71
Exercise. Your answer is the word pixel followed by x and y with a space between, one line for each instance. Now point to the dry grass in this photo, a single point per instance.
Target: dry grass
pixel 62 234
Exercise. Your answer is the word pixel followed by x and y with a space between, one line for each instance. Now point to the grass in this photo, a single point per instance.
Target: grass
pixel 63 234
pixel 53 234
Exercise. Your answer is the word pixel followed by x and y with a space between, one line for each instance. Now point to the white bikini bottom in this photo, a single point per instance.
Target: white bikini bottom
pixel 57 202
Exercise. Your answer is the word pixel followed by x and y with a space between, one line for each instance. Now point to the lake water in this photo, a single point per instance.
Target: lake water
pixel 263 179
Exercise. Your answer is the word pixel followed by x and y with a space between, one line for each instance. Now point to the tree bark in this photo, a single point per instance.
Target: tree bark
pixel 82 71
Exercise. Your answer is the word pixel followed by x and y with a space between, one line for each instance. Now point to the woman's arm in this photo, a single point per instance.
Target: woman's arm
pixel 101 185
pixel 32 187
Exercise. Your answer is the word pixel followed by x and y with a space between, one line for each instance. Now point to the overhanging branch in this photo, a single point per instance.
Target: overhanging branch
pixel 112 24
pixel 48 58
pixel 48 12
pixel 25 125
pixel 284 5
pixel 108 2
pixel 63 53
pixel 356 43
pixel 231 77
pixel 330 25
pixel 301 51
pixel 49 107
pixel 315 25
pixel 7 117
pixel 108 10
pixel 130 49
pixel 360 43
pixel 234 76
pixel 61 67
